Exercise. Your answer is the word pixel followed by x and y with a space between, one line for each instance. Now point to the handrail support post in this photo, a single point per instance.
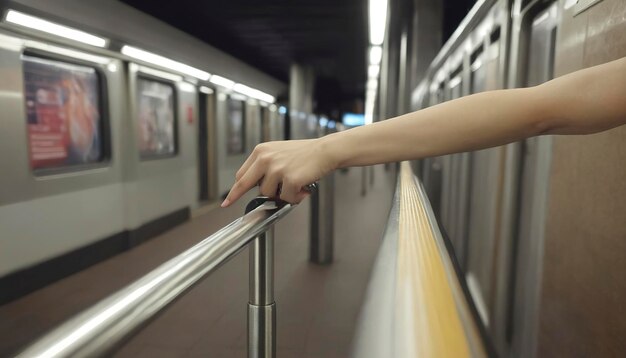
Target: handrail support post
pixel 261 305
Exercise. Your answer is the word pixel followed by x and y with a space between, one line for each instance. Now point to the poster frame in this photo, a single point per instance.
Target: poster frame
pixel 146 76
pixel 104 125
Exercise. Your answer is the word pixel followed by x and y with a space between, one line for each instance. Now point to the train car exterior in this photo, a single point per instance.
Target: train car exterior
pixel 101 150
pixel 505 209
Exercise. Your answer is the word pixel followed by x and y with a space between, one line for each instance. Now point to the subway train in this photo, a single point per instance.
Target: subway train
pixel 109 135
pixel 497 206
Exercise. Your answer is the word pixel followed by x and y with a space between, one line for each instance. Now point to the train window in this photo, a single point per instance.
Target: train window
pixel 63 113
pixel 156 118
pixel 478 73
pixel 456 83
pixel 495 35
pixel 236 129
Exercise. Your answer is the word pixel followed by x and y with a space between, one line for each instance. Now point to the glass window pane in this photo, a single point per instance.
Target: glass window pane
pixel 156 118
pixel 62 113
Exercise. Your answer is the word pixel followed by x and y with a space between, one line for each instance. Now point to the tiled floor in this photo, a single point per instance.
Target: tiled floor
pixel 317 306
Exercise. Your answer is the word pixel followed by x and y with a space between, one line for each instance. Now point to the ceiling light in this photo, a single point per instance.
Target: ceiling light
pixel 206 90
pixel 164 62
pixel 36 23
pixel 373 71
pixel 187 87
pixel 157 73
pixel 372 84
pixel 66 52
pixel 222 81
pixel 376 54
pixel 378 21
pixel 254 93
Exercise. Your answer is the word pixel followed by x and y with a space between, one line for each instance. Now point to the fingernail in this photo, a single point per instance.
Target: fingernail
pixel 225 203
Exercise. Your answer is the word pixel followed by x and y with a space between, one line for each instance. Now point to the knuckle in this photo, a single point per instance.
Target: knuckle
pixel 260 148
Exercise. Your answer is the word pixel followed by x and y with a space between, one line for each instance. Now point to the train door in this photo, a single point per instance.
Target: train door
pixel 433 166
pixel 206 145
pixel 458 183
pixel 536 157
pixel 482 246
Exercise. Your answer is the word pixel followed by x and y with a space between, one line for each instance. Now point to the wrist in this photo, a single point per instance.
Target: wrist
pixel 330 150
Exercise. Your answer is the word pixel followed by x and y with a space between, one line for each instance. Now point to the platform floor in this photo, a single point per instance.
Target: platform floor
pixel 317 305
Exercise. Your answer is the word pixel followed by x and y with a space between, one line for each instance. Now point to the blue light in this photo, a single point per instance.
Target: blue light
pixel 282 109
pixel 331 124
pixel 353 119
pixel 323 121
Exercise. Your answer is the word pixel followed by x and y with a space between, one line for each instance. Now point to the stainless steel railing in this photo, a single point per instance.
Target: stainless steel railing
pixel 415 305
pixel 103 327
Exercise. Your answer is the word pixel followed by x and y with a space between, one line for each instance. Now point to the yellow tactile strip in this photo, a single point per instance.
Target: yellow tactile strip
pixel 427 292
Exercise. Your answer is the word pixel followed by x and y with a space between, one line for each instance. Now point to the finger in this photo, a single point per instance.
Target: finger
pixel 269 185
pixel 289 192
pixel 244 167
pixel 301 196
pixel 248 181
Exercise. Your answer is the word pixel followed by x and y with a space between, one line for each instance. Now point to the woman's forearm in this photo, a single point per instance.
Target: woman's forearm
pixel 469 123
pixel 583 102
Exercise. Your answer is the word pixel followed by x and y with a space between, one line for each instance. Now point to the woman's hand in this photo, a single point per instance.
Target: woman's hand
pixel 282 169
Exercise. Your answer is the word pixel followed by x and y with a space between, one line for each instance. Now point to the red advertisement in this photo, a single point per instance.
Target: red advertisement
pixel 62 113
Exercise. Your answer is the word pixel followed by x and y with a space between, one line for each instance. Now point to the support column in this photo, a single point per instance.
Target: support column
pixel 301 86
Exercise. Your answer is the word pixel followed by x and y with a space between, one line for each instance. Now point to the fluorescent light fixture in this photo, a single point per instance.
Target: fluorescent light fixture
pixel 372 84
pixel 36 23
pixel 67 52
pixel 369 108
pixel 253 93
pixel 378 21
pixel 187 87
pixel 206 90
pixel 164 62
pixel 238 97
pixel 112 67
pixel 373 71
pixel 157 73
pixel 222 81
pixel 376 54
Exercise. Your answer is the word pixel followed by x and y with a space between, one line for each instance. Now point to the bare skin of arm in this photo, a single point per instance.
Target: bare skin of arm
pixel 583 102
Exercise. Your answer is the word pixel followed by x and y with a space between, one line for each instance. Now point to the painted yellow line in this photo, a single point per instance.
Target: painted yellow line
pixel 428 293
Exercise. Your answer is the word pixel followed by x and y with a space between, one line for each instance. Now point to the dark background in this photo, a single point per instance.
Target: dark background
pixel 329 35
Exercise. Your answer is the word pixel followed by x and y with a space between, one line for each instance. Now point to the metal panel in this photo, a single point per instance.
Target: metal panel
pixel 162 185
pixel 536 159
pixel 37 208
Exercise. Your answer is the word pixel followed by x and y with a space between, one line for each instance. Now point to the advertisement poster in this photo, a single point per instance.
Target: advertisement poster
pixel 236 132
pixel 62 113
pixel 157 134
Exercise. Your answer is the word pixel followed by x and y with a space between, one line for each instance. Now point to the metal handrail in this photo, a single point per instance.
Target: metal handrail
pixel 415 305
pixel 103 327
